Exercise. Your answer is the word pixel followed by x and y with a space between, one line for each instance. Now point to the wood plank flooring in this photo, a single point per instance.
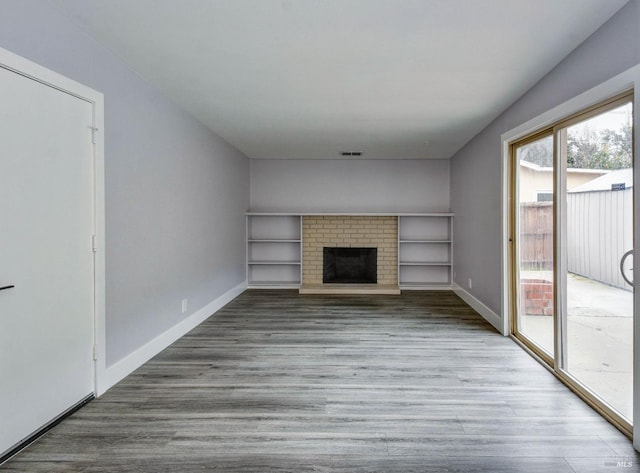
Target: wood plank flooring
pixel 282 382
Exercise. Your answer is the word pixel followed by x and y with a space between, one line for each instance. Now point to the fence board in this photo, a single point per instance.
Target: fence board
pixel 536 236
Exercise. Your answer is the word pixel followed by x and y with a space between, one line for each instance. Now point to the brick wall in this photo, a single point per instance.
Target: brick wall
pixel 350 231
pixel 536 297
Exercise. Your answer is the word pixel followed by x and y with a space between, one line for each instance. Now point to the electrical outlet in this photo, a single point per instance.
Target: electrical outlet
pixel 184 305
pixel 470 284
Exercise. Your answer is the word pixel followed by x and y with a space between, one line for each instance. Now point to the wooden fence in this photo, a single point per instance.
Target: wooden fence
pixel 599 232
pixel 536 236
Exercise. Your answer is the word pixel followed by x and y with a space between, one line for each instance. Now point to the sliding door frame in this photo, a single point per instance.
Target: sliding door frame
pixel 560 226
pixel 576 109
pixel 514 269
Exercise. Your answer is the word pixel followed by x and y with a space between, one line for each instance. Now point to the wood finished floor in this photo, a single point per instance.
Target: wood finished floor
pixel 278 381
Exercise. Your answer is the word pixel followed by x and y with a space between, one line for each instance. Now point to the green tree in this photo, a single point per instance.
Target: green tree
pixel 608 149
pixel 539 152
pixel 619 146
pixel 586 149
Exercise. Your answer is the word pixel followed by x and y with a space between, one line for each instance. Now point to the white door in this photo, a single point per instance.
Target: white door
pixel 46 224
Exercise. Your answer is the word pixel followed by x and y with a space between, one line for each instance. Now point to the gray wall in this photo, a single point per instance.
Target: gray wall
pixel 175 192
pixel 330 185
pixel 476 181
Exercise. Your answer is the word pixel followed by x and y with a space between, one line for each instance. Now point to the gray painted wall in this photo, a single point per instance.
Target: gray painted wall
pixel 331 185
pixel 176 193
pixel 476 181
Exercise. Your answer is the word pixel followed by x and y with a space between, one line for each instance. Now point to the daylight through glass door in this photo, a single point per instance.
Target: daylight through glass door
pixel 534 240
pixel 572 224
pixel 597 225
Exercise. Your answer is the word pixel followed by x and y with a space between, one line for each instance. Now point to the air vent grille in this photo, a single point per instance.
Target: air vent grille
pixel 350 153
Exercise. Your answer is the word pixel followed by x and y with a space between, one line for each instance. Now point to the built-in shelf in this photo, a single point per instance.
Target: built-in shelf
pixel 276 262
pixel 274 241
pixel 421 286
pixel 267 284
pixel 274 248
pixel 425 251
pixel 424 263
pixel 425 241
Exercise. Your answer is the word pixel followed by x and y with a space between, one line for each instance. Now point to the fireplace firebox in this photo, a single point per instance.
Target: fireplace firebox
pixel 350 265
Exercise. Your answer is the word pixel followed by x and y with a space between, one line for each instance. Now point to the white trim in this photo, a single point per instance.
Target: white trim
pixel 41 74
pixel 31 70
pixel 133 361
pixel 477 305
pixel 99 256
pixel 609 88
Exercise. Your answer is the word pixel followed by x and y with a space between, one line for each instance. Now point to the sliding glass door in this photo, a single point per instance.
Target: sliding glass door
pixel 534 271
pixel 572 254
pixel 597 229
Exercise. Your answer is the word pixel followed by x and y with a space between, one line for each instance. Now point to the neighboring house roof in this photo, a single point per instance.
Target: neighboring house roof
pixel 604 183
pixel 538 168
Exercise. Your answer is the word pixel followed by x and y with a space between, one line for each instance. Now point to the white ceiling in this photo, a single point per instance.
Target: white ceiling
pixel 311 78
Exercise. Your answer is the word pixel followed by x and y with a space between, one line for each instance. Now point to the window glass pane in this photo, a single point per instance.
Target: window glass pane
pixel 535 243
pixel 599 302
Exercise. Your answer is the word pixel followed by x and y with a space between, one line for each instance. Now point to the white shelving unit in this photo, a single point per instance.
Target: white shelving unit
pixel 274 250
pixel 425 250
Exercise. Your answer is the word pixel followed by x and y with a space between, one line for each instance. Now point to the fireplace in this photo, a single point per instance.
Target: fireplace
pixel 349 265
pixel 351 232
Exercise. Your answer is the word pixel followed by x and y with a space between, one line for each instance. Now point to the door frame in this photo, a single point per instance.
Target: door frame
pixel 629 79
pixel 513 249
pixel 556 362
pixel 31 70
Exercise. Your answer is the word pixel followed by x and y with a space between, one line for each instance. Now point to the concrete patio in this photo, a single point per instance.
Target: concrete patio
pixel 600 337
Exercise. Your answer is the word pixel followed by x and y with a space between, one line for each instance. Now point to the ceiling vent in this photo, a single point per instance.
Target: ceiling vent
pixel 350 153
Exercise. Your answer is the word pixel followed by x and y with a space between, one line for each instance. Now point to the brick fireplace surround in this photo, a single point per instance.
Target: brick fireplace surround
pixel 379 232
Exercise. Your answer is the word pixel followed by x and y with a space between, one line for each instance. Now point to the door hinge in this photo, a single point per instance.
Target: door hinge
pixel 93 243
pixel 95 352
pixel 94 134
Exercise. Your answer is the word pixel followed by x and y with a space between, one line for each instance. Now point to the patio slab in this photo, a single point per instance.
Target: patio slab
pixel 600 337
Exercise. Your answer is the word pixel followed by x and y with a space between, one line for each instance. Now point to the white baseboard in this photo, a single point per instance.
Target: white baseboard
pixel 118 371
pixel 477 305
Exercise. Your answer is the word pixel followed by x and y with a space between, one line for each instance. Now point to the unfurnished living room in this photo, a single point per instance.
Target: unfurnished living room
pixel 319 235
